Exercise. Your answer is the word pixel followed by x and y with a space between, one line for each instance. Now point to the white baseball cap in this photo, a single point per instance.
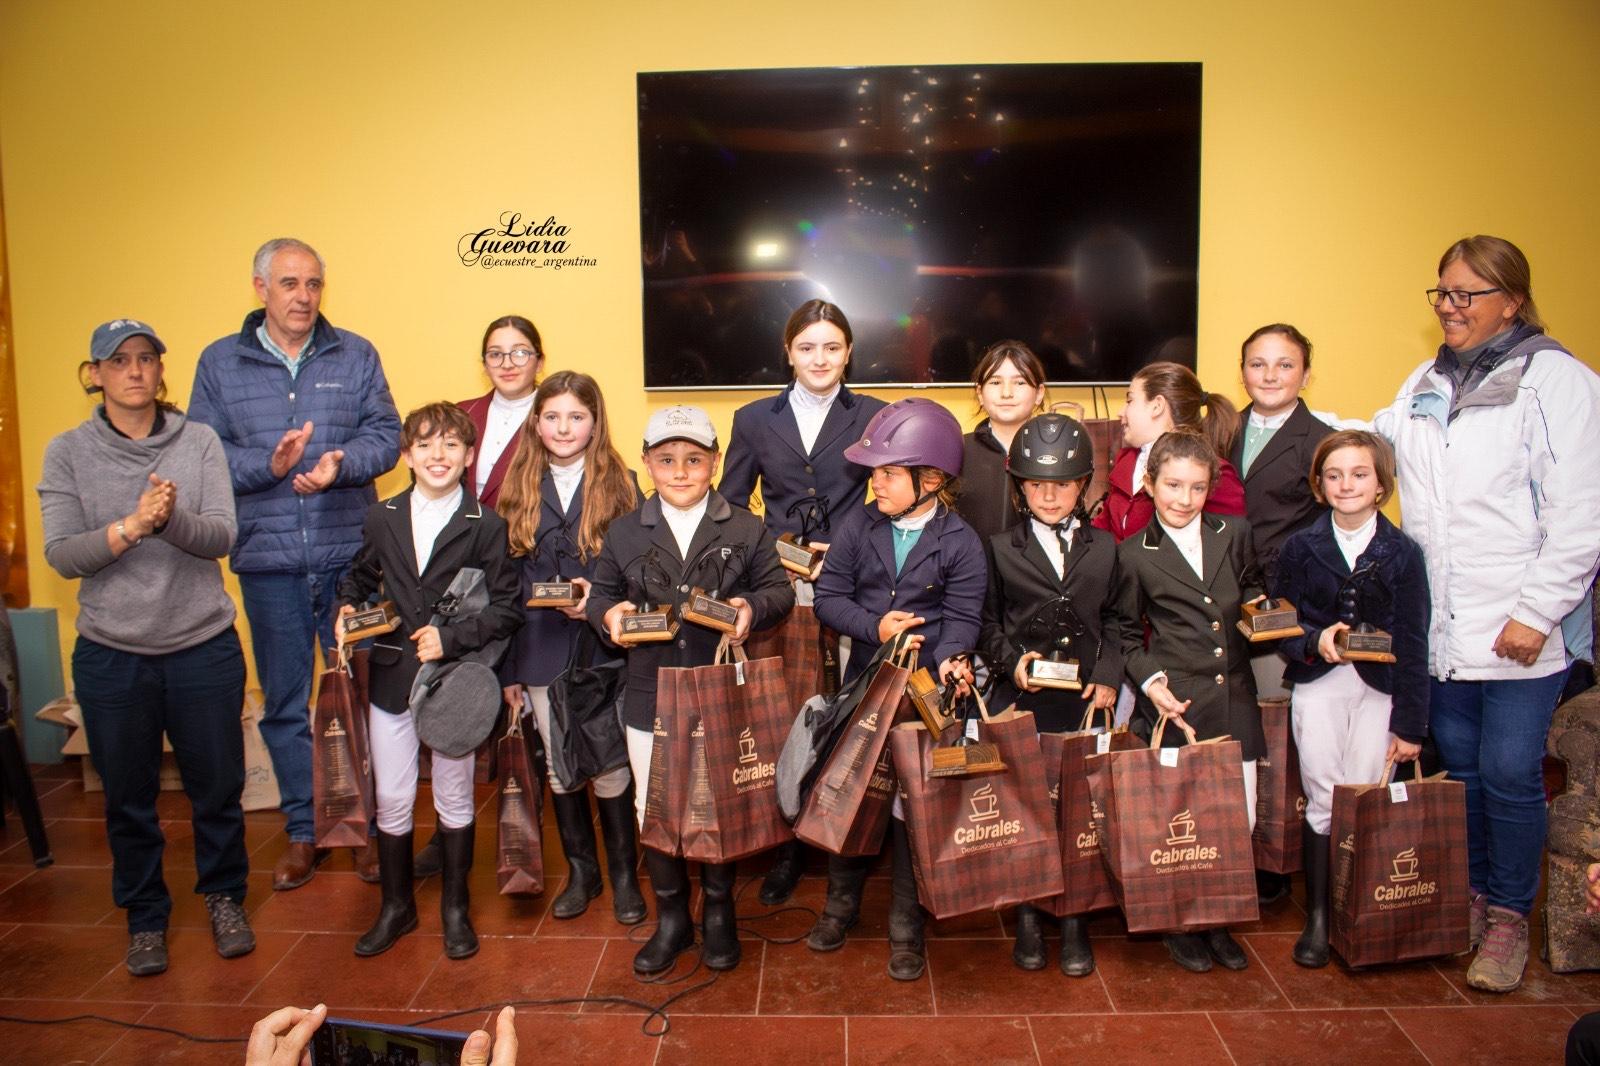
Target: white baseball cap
pixel 680 422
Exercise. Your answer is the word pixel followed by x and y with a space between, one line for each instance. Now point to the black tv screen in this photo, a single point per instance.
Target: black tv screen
pixel 943 208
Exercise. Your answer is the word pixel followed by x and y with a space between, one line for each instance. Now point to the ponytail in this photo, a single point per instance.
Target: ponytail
pixel 1220 423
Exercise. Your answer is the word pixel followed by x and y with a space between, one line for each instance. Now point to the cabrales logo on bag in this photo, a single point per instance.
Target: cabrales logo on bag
pixel 1181 829
pixel 658 729
pixel 511 787
pixel 1183 850
pixel 870 722
pixel 335 729
pixel 1089 841
pixel 752 773
pixel 517 242
pixel 988 828
pixel 1300 806
pixel 1405 886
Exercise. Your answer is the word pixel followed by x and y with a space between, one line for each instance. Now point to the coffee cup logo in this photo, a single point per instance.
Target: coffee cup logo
pixel 1181 828
pixel 984 805
pixel 335 729
pixel 1405 866
pixel 870 722
pixel 747 747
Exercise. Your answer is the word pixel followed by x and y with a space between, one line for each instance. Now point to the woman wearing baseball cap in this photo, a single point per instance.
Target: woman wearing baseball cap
pixel 138 504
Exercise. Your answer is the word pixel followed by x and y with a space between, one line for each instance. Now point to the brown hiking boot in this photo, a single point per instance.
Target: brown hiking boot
pixel 1504 954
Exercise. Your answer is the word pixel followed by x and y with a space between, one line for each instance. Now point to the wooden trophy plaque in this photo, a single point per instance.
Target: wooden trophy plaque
pixel 649 627
pixel 799 557
pixel 554 594
pixel 371 622
pixel 704 609
pixel 1365 643
pixel 1269 619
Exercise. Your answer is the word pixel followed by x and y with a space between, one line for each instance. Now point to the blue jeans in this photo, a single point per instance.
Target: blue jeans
pixel 195 696
pixel 1490 736
pixel 288 614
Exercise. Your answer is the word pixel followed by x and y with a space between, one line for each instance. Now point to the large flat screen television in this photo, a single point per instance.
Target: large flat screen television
pixel 942 207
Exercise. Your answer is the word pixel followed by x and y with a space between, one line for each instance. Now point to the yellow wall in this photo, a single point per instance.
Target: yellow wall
pixel 148 148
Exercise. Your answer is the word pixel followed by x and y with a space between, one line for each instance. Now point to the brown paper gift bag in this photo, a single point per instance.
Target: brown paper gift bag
pixel 341 765
pixel 1083 869
pixel 667 787
pixel 1399 869
pixel 742 716
pixel 1175 833
pixel 1280 798
pixel 847 810
pixel 810 653
pixel 519 854
pixel 983 841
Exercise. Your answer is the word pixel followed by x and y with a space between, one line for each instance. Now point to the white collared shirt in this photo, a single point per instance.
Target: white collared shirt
pixel 1354 541
pixel 1046 536
pixel 1187 541
pixel 500 428
pixel 567 479
pixel 428 519
pixel 684 523
pixel 1139 466
pixel 810 411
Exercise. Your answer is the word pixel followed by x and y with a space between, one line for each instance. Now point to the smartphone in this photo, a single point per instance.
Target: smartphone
pixel 346 1042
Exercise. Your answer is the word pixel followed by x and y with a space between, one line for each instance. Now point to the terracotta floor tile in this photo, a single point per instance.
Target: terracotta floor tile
pixel 65 770
pixel 978 977
pixel 59 894
pixel 507 969
pixel 752 1041
pixel 1314 1037
pixel 10 874
pixel 598 921
pixel 196 973
pixel 330 902
pixel 67 799
pixel 82 1041
pixel 1127 1038
pixel 1414 984
pixel 231 1023
pixel 322 967
pixel 733 991
pixel 59 962
pixel 73 842
pixel 581 1040
pixel 1464 1036
pixel 1141 976
pixel 1539 984
pixel 853 980
pixel 927 1041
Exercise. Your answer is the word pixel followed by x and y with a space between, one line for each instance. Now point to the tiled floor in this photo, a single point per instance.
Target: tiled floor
pixel 62 940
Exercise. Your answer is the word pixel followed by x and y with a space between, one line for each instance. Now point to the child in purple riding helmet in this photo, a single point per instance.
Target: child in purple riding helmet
pixel 905 562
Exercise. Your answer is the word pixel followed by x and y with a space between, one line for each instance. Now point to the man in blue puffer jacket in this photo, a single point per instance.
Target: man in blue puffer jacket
pixel 307 422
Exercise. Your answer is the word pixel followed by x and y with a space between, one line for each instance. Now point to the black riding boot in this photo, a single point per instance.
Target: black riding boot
pixel 1311 950
pixel 669 880
pixel 622 856
pixel 575 823
pixel 719 928
pixel 907 954
pixel 460 942
pixel 1029 952
pixel 398 915
pixel 846 879
pixel 1077 957
pixel 788 863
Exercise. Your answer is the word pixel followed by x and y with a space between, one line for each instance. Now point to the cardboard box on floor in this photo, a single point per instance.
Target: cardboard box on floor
pixel 260 784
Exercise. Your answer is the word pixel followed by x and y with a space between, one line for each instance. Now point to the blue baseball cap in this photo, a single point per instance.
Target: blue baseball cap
pixel 109 337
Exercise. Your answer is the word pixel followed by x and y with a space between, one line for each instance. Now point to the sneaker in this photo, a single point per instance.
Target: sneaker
pixel 230 929
pixel 1504 954
pixel 147 953
pixel 1477 919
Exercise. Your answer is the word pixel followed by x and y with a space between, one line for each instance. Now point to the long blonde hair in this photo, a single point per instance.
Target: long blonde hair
pixel 608 491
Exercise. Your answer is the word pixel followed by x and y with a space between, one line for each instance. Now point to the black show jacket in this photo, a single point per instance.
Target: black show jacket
pixel 1277 487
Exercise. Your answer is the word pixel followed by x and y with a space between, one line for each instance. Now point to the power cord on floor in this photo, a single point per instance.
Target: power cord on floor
pixel 657 1021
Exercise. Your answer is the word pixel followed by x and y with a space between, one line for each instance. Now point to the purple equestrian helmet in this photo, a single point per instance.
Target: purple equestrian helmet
pixel 910 432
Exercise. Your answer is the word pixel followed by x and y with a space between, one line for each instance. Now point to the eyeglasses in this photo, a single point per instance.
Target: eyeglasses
pixel 518 356
pixel 1458 297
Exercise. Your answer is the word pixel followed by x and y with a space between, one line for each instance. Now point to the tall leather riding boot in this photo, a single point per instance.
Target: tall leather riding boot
pixel 846 879
pixel 575 823
pixel 907 954
pixel 460 942
pixel 788 863
pixel 1311 950
pixel 398 915
pixel 1029 951
pixel 719 927
pixel 669 881
pixel 622 856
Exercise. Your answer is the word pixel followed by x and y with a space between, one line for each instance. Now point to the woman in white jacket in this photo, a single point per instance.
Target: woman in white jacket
pixel 1497 439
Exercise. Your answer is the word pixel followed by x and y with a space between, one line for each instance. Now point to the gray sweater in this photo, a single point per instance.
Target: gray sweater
pixel 164 594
